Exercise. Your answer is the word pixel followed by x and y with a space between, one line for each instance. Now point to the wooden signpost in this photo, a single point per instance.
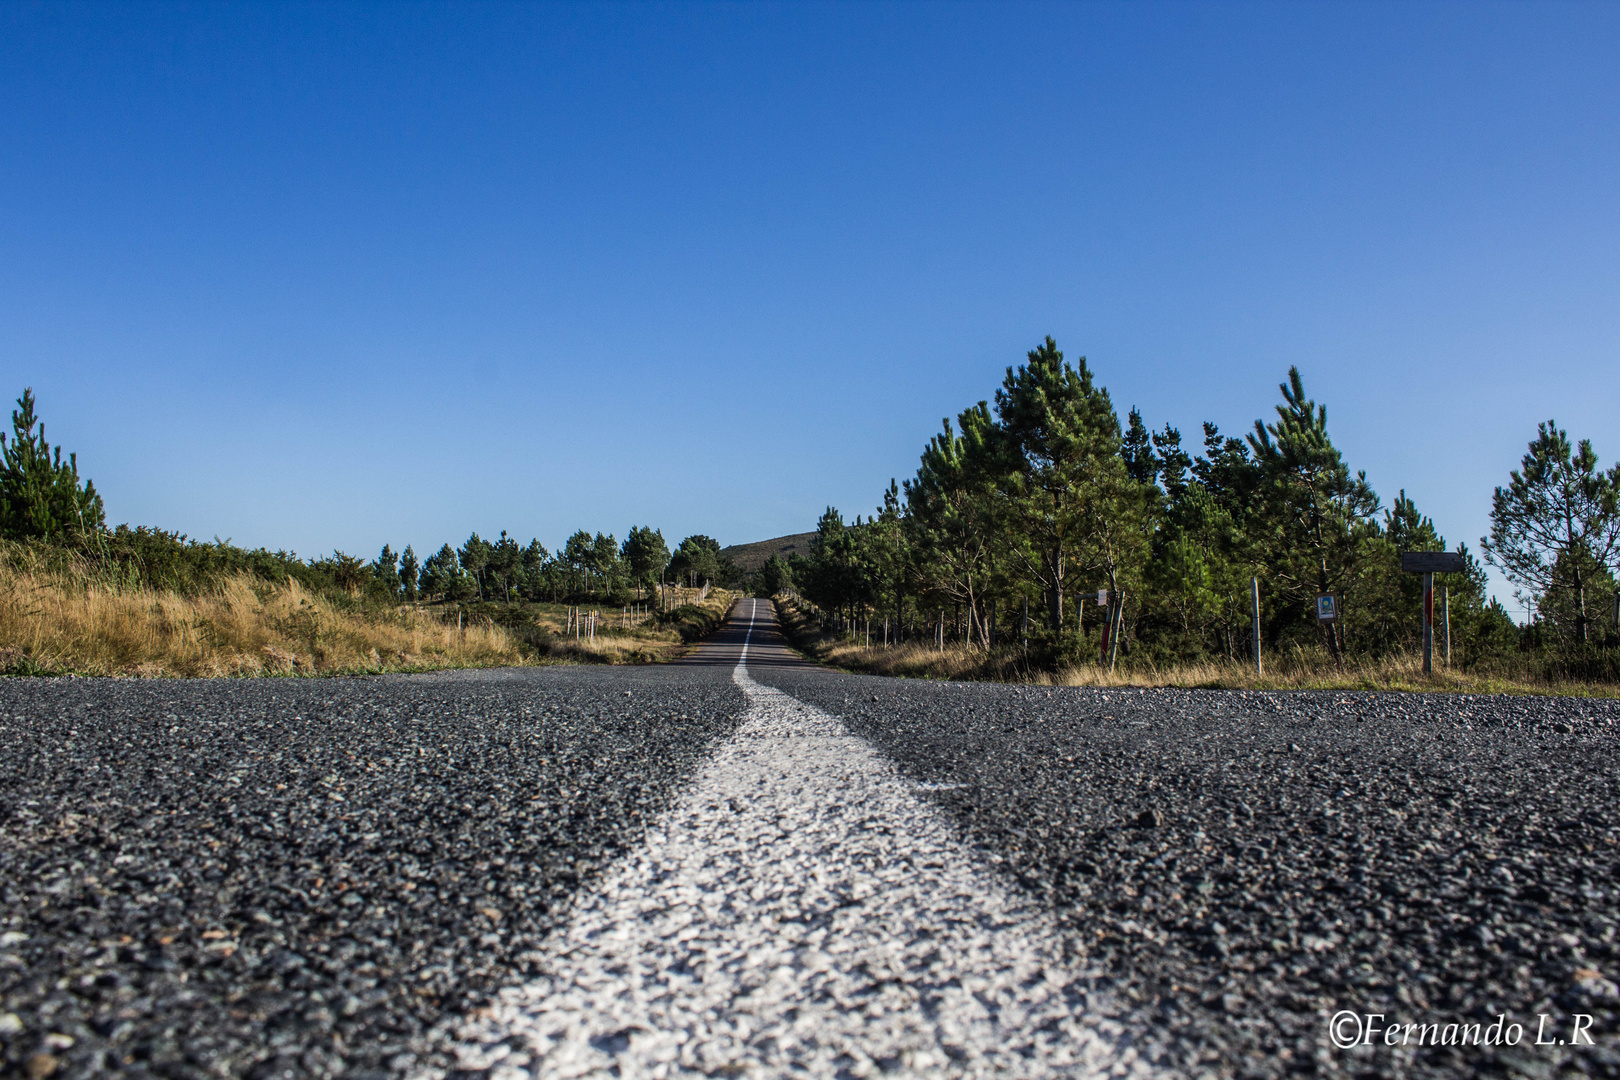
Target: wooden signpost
pixel 1430 563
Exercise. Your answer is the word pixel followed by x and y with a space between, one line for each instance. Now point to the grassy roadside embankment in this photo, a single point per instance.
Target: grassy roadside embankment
pixel 1292 670
pixel 620 639
pixel 64 616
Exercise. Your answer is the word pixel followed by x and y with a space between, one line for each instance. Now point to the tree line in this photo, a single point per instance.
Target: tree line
pixel 1021 517
pixel 1042 521
pixel 586 567
pixel 43 500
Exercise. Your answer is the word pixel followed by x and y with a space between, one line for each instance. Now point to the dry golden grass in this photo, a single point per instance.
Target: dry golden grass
pixel 908 661
pixel 69 622
pixel 58 613
pixel 1298 670
pixel 1400 672
pixel 646 648
pixel 553 618
pixel 640 640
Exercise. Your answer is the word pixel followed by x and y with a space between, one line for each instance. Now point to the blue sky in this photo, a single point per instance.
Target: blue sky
pixel 326 276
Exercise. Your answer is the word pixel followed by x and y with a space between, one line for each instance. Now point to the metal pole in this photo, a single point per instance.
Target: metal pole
pixel 1445 618
pixel 1254 603
pixel 1428 623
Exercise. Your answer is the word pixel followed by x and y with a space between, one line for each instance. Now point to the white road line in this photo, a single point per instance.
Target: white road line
pixel 799 912
pixel 753 612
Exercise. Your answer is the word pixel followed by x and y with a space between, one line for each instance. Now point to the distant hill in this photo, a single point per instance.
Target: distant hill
pixel 750 557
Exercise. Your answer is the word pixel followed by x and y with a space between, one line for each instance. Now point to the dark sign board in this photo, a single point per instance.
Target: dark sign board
pixel 1431 562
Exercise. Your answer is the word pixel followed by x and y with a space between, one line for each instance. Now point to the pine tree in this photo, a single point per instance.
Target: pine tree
pixel 1203 558
pixel 1556 527
pixel 952 511
pixel 536 560
pixel 577 554
pixel 1137 451
pixel 506 564
pixel 474 555
pixel 891 554
pixel 774 576
pixel 647 555
pixel 1171 463
pixel 40 495
pixel 442 575
pixel 408 572
pixel 1316 516
pixel 697 559
pixel 605 560
pixel 386 571
pixel 829 576
pixel 1072 505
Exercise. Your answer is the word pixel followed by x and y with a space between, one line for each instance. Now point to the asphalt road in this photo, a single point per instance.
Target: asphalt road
pixel 705 869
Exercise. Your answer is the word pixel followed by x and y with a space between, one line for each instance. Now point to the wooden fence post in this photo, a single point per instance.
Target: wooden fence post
pixel 1106 599
pixel 1119 626
pixel 1428 622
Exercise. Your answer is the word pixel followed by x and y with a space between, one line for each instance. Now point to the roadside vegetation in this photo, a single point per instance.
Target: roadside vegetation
pixel 631 633
pixel 1298 669
pixel 1043 539
pixel 59 613
pixel 78 597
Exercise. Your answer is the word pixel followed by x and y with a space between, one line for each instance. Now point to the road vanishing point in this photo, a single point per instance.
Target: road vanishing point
pixel 746 865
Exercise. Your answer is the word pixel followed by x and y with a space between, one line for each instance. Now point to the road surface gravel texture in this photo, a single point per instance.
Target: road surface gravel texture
pixel 1246 865
pixel 346 877
pixel 283 878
